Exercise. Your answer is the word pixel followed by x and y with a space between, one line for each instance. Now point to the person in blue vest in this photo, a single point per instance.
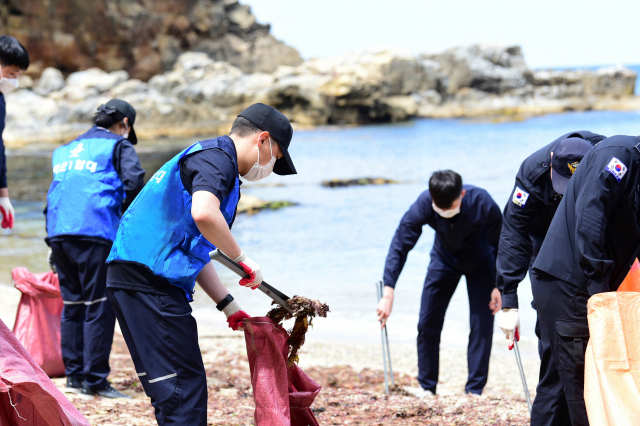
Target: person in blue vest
pixel 185 211
pixel 95 177
pixel 14 60
pixel 467 223
pixel 540 184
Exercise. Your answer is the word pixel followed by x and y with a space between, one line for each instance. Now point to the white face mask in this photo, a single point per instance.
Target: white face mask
pixel 8 85
pixel 447 214
pixel 258 172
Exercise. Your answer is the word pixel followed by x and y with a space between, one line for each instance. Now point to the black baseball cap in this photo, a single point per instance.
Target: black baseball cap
pixel 128 111
pixel 273 121
pixel 566 158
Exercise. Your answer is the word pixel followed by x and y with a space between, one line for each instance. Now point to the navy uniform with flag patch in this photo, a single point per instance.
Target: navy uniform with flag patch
pixel 591 244
pixel 527 217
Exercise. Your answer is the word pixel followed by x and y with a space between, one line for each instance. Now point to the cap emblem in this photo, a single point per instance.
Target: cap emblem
pixel 573 167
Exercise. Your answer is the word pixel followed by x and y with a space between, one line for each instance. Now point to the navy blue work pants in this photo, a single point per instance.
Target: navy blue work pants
pixel 562 311
pixel 87 318
pixel 162 337
pixel 439 286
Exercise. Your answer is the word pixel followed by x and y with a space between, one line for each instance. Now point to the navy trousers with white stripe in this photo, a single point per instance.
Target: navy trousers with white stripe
pixel 162 337
pixel 88 319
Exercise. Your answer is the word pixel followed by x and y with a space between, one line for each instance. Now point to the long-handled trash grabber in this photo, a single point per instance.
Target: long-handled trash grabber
pixel 277 296
pixel 386 352
pixel 521 368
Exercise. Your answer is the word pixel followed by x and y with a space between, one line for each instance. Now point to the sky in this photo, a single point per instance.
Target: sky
pixel 552 33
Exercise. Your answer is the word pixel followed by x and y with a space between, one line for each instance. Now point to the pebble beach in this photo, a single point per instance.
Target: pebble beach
pixel 350 374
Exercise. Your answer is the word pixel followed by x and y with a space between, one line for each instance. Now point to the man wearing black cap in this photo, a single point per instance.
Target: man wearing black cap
pixel 95 177
pixel 540 183
pixel 592 242
pixel 162 249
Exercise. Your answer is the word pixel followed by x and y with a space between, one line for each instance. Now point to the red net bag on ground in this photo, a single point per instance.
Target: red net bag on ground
pixel 27 395
pixel 37 324
pixel 283 395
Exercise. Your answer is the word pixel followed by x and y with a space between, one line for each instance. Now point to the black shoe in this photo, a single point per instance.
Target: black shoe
pixel 108 392
pixel 73 385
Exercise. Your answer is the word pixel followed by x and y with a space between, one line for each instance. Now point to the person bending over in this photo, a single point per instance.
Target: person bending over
pixel 467 223
pixel 162 249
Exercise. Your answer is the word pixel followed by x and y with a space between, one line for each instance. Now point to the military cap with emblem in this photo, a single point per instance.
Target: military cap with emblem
pixel 566 158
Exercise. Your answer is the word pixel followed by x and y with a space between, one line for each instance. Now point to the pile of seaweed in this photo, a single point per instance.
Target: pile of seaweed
pixel 304 310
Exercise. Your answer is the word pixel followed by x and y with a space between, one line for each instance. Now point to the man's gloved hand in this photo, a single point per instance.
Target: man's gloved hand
pixel 235 316
pixel 6 209
pixel 252 269
pixel 50 261
pixel 510 325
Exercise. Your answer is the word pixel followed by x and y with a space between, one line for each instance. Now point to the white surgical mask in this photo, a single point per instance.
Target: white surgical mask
pixel 8 85
pixel 258 172
pixel 447 214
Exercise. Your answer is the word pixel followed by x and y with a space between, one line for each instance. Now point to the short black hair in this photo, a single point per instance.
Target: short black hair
pixel 243 127
pixel 445 187
pixel 12 52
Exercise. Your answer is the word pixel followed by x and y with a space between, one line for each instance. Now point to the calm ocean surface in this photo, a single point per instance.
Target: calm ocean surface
pixel 332 246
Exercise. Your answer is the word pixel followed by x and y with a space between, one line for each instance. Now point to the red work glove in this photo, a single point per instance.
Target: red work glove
pixel 252 269
pixel 6 209
pixel 235 316
pixel 517 338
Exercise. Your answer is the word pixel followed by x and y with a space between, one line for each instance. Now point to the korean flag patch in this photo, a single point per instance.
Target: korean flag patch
pixel 520 197
pixel 616 168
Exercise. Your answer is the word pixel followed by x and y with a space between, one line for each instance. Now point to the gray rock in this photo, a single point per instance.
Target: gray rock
pixel 95 78
pixel 51 80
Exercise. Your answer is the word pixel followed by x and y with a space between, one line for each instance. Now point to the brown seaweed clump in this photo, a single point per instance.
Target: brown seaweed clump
pixel 304 310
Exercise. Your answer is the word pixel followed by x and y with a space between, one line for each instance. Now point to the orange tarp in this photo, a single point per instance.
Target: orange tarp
pixel 612 364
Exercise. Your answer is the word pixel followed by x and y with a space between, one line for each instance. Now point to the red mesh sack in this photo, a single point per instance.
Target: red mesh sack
pixel 37 324
pixel 283 395
pixel 27 395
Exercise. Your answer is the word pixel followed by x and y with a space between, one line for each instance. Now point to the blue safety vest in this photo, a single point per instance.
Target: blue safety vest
pixel 86 195
pixel 158 230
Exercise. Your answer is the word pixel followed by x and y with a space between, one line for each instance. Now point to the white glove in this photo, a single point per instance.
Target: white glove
pixel 7 212
pixel 252 269
pixel 510 325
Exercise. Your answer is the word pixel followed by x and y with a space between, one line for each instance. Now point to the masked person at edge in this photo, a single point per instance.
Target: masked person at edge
pixel 540 183
pixel 592 242
pixel 95 177
pixel 14 59
pixel 162 249
pixel 467 223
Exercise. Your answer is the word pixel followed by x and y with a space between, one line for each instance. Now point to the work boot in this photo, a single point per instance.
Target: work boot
pixel 73 385
pixel 108 392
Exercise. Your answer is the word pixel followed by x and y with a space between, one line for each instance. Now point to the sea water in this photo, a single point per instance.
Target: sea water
pixel 332 246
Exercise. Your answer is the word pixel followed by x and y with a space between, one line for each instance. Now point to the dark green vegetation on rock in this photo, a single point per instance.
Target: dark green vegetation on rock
pixel 341 183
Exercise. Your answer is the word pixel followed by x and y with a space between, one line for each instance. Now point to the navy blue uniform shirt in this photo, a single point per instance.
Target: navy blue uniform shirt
pixel 463 241
pixel 525 226
pixel 595 235
pixel 3 158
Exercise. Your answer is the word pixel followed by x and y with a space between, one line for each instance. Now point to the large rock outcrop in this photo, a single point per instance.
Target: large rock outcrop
pixel 142 37
pixel 201 95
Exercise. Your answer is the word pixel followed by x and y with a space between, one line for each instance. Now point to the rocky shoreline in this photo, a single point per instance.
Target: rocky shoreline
pixel 200 96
